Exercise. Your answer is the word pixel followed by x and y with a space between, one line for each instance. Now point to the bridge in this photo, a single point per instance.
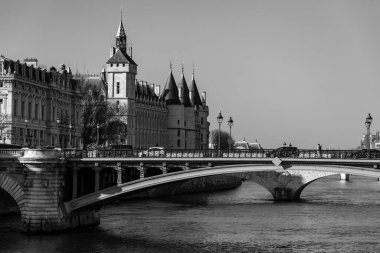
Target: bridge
pixel 61 189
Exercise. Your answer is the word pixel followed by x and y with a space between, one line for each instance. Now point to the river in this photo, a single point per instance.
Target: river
pixel 334 216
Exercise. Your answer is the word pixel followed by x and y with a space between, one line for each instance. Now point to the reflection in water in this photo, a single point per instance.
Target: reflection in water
pixel 334 216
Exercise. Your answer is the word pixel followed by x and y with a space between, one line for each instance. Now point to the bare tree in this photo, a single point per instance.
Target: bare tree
pixel 102 118
pixel 4 124
pixel 224 139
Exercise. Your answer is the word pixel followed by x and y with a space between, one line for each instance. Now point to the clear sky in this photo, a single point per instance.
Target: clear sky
pixel 304 72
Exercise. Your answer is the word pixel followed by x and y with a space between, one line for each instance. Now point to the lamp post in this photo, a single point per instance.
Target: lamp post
pixel 368 122
pixel 26 133
pixel 230 123
pixel 70 127
pixel 97 134
pixel 58 122
pixel 220 120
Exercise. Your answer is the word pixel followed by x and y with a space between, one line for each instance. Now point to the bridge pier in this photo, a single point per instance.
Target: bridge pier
pixel 43 187
pixel 344 177
pixel 283 194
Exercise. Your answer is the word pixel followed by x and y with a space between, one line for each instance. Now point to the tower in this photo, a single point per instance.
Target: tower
pixel 120 76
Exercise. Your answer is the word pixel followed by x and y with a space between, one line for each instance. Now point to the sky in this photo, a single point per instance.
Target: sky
pixel 299 71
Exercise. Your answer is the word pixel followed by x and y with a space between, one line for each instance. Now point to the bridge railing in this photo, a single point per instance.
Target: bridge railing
pixel 11 152
pixel 232 153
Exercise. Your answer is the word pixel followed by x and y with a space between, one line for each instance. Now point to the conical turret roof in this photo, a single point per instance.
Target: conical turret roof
pixel 184 91
pixel 120 31
pixel 170 92
pixel 195 98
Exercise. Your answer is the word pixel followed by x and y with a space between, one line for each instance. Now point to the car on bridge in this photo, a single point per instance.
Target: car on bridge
pixel 153 152
pixel 373 153
pixel 286 151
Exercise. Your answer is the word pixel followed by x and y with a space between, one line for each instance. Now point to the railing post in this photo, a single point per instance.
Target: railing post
pixel 119 171
pixel 75 182
pixel 97 170
pixel 142 170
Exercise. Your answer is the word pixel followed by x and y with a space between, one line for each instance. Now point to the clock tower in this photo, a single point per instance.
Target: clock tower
pixel 120 75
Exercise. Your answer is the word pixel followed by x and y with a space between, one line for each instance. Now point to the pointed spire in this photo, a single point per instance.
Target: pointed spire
pixel 184 90
pixel 194 94
pixel 170 91
pixel 192 76
pixel 121 31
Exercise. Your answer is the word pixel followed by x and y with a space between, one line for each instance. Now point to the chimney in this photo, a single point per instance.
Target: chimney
pixel 31 62
pixel 130 51
pixel 157 89
pixel 112 51
pixel 204 98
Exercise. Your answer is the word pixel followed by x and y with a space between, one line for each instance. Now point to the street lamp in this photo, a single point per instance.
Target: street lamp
pixel 220 120
pixel 97 134
pixel 368 122
pixel 58 122
pixel 70 127
pixel 26 132
pixel 230 123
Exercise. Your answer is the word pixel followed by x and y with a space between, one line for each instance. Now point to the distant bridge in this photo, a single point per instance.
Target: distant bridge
pixel 57 189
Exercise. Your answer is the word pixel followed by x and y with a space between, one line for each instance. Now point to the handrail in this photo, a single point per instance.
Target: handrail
pixel 232 153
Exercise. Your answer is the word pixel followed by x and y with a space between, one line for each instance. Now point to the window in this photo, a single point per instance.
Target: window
pixel 178 143
pixel 184 122
pixel 22 109
pixel 117 65
pixel 202 121
pixel 15 107
pixel 29 110
pixel 117 106
pixel 111 65
pixel 179 133
pixel 178 122
pixel 53 118
pixel 36 111
pixel 123 64
pixel 42 112
pixel 117 87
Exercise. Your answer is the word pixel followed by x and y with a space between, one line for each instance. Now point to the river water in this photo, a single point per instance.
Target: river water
pixel 334 216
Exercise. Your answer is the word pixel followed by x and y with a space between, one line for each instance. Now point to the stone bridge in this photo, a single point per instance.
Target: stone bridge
pixel 55 193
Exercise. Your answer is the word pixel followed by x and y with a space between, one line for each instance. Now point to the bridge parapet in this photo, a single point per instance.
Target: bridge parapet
pixel 236 153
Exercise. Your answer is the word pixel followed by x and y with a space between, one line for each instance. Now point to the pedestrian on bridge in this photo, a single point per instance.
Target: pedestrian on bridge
pixel 320 150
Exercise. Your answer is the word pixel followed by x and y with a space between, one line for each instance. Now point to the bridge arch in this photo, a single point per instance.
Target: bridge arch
pixel 283 184
pixel 13 187
pixel 312 173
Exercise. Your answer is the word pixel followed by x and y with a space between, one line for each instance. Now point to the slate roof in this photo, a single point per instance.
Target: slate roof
pixel 120 57
pixel 195 98
pixel 120 31
pixel 170 92
pixel 184 96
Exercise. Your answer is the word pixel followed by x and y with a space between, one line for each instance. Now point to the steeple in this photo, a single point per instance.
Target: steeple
pixel 184 90
pixel 170 92
pixel 121 37
pixel 194 94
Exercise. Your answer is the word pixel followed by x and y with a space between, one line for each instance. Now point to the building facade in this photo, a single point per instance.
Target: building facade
pixel 44 107
pixel 174 118
pixel 39 107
